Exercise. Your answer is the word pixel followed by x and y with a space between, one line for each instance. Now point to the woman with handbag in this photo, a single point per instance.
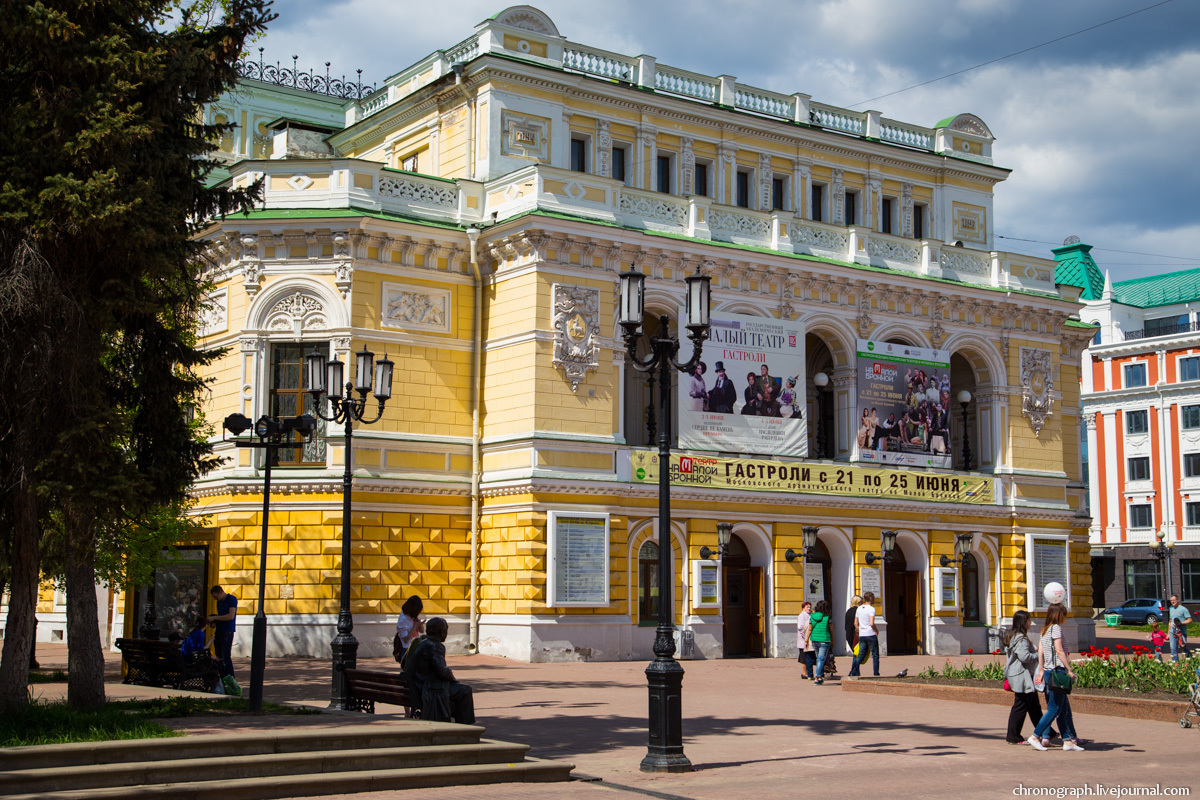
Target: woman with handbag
pixel 1054 669
pixel 1018 677
pixel 408 626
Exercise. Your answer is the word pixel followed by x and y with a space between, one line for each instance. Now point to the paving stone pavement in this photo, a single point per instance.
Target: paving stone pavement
pixel 752 729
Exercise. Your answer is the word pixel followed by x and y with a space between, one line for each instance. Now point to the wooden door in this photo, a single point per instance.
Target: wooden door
pixel 912 613
pixel 736 608
pixel 757 612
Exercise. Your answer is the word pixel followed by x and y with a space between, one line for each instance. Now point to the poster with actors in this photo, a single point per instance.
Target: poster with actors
pixel 746 394
pixel 903 414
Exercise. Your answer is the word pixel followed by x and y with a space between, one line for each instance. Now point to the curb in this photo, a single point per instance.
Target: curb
pixel 1127 707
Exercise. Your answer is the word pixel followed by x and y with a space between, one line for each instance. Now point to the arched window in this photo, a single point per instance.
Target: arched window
pixel 970 588
pixel 648 584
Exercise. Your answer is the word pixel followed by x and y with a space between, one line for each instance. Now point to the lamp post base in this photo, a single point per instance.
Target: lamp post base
pixel 258 663
pixel 665 751
pixel 345 656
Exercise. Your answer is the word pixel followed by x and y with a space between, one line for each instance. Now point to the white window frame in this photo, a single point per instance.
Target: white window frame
pixel 697 565
pixel 712 178
pixel 824 202
pixel 921 210
pixel 1034 600
pixel 893 216
pixel 1125 374
pixel 1129 514
pixel 939 575
pixel 787 191
pixel 1182 423
pixel 751 186
pixel 858 216
pixel 1129 469
pixel 1129 411
pixel 627 148
pixel 1179 359
pixel 673 183
pixel 589 154
pixel 1183 466
pixel 552 560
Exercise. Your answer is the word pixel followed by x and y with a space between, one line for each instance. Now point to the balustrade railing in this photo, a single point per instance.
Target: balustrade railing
pixel 1163 330
pixel 688 84
pixel 767 103
pixel 463 51
pixel 310 81
pixel 839 119
pixel 599 63
pixel 908 135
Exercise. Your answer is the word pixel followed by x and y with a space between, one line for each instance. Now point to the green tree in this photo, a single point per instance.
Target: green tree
pixel 102 165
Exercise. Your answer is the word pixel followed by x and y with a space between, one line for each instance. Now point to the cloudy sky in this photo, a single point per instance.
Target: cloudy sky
pixel 1101 129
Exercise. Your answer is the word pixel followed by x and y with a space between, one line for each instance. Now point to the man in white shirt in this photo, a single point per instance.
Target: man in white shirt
pixel 868 635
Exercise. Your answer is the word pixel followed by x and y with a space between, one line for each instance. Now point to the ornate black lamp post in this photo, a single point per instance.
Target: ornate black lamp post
pixel 347 409
pixel 821 380
pixel 724 534
pixel 964 400
pixel 664 675
pixel 887 543
pixel 809 538
pixel 1160 548
pixel 270 433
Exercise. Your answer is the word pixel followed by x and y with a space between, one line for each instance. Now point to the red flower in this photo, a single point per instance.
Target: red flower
pixel 969 651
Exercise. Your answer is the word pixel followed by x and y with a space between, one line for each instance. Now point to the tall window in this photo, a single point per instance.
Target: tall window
pixel 1191 465
pixel 701 187
pixel 288 399
pixel 1193 514
pixel 1135 375
pixel 664 174
pixel 817 206
pixel 1140 516
pixel 742 186
pixel 918 221
pixel 1190 416
pixel 777 195
pixel 1189 591
pixel 1139 468
pixel 618 163
pixel 410 163
pixel 1137 421
pixel 851 208
pixel 579 155
pixel 970 588
pixel 885 215
pixel 1189 369
pixel 648 584
pixel 1141 578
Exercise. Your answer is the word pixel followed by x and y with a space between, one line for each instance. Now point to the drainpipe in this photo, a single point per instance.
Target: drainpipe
pixel 476 466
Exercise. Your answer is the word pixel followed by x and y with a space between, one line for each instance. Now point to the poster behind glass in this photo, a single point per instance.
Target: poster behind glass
pixel 180 590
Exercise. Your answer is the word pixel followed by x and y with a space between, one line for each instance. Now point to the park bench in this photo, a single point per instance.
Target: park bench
pixel 153 662
pixel 364 687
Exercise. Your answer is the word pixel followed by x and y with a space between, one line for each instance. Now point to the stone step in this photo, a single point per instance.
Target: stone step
pixel 263 765
pixel 409 734
pixel 322 784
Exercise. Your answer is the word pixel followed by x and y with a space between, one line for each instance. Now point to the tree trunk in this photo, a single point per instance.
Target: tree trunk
pixel 85 653
pixel 22 601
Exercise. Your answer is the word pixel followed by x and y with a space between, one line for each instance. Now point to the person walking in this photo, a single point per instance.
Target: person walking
pixel 819 622
pixel 226 621
pixel 851 628
pixel 1179 618
pixel 1052 663
pixel 868 634
pixel 408 626
pixel 1019 672
pixel 806 655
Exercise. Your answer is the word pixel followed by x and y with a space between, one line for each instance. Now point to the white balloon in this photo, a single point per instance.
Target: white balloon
pixel 1054 592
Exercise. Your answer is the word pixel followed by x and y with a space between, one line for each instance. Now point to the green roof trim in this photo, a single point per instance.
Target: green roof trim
pixel 1075 323
pixel 1169 289
pixel 1076 267
pixel 337 213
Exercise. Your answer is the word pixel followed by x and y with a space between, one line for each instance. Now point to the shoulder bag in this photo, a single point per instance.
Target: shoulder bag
pixel 1059 681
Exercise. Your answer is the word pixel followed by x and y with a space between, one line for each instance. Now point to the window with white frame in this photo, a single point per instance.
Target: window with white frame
pixel 579 153
pixel 578 573
pixel 816 206
pixel 742 182
pixel 887 211
pixel 920 211
pixel 619 167
pixel 1193 514
pixel 1137 421
pixel 851 208
pixel 1139 468
pixel 1135 375
pixel 1141 515
pixel 779 193
pixel 1189 417
pixel 1189 369
pixel 1050 563
pixel 701 185
pixel 1191 465
pixel 664 172
pixel 1189 569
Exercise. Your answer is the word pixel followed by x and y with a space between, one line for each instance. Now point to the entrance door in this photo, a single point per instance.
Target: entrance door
pixel 912 613
pixel 901 605
pixel 757 600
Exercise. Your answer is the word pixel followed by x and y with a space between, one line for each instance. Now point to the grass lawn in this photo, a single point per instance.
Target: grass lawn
pixel 1192 630
pixel 55 676
pixel 58 723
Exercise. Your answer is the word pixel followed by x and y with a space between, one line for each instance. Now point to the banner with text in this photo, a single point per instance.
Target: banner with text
pixel 903 405
pixel 746 395
pixel 755 474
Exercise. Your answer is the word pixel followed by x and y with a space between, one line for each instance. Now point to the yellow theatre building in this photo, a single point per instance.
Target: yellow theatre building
pixel 470 219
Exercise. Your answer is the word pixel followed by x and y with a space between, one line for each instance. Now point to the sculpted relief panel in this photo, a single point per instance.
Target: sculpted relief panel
pixel 576 331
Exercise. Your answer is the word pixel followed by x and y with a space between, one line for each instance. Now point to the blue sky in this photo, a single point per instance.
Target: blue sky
pixel 1101 130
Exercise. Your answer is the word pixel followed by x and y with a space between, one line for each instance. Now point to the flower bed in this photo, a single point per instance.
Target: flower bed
pixel 1129 669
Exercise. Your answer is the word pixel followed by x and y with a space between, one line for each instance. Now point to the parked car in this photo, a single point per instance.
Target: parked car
pixel 1139 611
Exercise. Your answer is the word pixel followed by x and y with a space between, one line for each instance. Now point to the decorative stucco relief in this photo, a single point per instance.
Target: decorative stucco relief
pixel 1037 382
pixel 297 313
pixel 419 308
pixel 576 331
